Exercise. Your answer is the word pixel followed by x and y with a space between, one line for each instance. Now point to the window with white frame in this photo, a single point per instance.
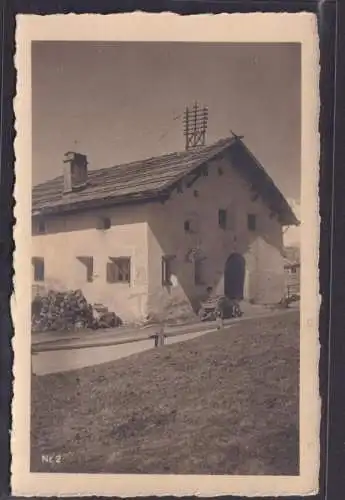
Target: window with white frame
pixel 119 270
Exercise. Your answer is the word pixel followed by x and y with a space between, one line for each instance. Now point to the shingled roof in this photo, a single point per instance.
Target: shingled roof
pixel 155 179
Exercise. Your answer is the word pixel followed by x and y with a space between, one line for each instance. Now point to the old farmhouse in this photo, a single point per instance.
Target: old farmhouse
pixel 146 239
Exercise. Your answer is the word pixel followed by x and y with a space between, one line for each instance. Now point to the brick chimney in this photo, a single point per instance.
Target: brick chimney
pixel 75 171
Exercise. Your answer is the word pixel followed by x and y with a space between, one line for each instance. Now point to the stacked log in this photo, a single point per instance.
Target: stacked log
pixel 65 311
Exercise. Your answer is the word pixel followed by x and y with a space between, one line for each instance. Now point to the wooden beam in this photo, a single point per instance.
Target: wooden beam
pixel 179 187
pixel 197 174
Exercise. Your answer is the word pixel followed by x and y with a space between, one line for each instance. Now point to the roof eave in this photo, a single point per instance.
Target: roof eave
pixel 289 220
pixel 81 206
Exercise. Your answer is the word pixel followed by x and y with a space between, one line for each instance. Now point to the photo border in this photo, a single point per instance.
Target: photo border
pixel 326 23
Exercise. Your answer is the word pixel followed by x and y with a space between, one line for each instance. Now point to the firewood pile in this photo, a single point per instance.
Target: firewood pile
pixel 61 311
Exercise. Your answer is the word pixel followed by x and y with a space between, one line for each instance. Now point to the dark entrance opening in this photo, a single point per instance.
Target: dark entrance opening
pixel 234 276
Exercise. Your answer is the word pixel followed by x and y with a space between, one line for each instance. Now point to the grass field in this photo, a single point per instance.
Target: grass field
pixel 224 403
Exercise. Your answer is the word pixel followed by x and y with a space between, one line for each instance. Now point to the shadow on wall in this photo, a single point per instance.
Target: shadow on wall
pixel 227 267
pixel 101 220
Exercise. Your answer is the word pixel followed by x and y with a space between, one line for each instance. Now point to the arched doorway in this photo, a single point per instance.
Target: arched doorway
pixel 234 275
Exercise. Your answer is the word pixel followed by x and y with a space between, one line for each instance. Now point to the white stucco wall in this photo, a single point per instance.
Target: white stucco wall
pixel 77 235
pixel 261 249
pixel 147 232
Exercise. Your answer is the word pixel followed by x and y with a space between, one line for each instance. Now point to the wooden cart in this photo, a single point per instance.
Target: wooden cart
pixel 219 307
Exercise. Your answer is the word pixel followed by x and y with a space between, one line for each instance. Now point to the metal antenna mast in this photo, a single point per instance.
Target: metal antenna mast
pixel 195 125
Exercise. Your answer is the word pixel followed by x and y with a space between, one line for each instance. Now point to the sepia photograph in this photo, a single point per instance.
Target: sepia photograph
pixel 164 258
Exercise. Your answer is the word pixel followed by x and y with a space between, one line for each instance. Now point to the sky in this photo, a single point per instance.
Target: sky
pixel 122 101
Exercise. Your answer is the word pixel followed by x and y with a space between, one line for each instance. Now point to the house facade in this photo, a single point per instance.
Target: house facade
pixel 149 238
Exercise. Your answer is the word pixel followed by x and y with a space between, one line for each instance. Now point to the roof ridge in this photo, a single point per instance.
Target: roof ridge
pixel 155 177
pixel 165 155
pixel 181 153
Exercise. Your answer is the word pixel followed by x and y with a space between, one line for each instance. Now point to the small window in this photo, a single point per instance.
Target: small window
pixel 41 226
pixel 167 269
pixel 38 265
pixel 198 272
pixel 191 225
pixel 251 222
pixel 222 218
pixel 119 270
pixel 104 223
pixel 88 263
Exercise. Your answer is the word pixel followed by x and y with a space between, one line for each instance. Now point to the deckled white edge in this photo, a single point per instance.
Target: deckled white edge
pixel 138 26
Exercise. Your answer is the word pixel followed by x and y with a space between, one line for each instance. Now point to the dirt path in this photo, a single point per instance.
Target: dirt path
pixel 66 360
pixel 63 360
